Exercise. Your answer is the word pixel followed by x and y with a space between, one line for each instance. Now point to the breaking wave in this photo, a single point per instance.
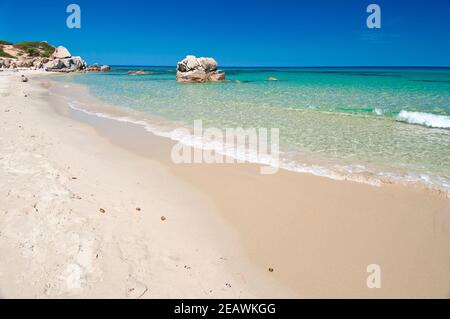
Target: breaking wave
pixel 424 119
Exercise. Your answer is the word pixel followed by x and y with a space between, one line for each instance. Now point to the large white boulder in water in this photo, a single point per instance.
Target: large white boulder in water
pixel 198 70
pixel 208 64
pixel 61 53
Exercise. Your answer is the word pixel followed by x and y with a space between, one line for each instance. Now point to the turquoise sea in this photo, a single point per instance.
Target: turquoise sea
pixel 367 124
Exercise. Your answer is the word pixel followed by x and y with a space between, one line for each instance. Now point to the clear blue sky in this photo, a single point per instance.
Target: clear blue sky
pixel 239 32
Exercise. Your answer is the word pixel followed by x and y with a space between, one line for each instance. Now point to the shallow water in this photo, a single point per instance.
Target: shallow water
pixel 375 123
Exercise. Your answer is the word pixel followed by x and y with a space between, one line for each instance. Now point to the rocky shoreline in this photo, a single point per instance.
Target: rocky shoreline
pixel 42 56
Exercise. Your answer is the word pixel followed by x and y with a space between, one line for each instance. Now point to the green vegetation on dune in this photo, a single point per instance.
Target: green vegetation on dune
pixel 47 53
pixel 31 48
pixel 32 52
pixel 42 49
pixel 3 54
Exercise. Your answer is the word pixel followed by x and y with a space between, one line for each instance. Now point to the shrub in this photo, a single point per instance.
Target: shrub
pixel 3 54
pixel 32 51
pixel 36 48
pixel 46 54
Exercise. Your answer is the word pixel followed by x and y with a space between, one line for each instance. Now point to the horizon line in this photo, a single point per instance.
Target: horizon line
pixel 297 67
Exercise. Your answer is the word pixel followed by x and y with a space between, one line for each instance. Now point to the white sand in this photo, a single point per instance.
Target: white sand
pixel 57 174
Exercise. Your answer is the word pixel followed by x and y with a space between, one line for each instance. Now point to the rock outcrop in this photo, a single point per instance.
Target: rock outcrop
pixel 198 70
pixel 93 68
pixel 72 64
pixel 98 68
pixel 35 63
pixel 61 53
pixel 42 56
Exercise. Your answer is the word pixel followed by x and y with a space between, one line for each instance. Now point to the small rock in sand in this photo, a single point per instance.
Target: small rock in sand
pixel 163 218
pixel 102 211
pixel 271 270
pixel 23 78
pixel 138 209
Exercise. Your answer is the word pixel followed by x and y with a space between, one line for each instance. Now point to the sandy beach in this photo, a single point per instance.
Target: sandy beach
pixel 94 208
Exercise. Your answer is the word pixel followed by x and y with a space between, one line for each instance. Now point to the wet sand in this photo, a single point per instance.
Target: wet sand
pixel 316 234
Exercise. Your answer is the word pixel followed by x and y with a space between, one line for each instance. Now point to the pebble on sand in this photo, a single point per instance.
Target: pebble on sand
pixel 102 211
pixel 163 218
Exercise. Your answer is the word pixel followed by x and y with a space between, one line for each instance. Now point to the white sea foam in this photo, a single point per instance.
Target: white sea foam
pixel 354 173
pixel 378 111
pixel 424 119
pixel 230 150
